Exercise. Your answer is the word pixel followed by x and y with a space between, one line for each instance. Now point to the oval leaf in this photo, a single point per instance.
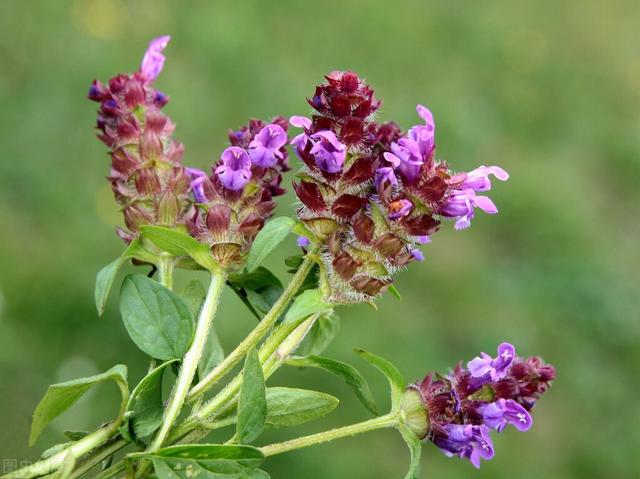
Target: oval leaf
pixel 288 407
pixel 344 371
pixel 306 304
pixel 273 233
pixel 258 290
pixel 321 334
pixel 178 243
pixel 145 407
pixel 246 455
pixel 396 380
pixel 252 403
pixel 156 318
pixel 60 397
pixel 210 461
pixel 193 295
pixel 106 276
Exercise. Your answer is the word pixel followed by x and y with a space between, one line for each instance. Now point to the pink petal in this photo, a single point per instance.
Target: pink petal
pixel 485 204
pixel 300 121
pixel 427 116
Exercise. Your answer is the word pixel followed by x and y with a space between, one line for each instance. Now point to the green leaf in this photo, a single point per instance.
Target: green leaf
pixel 394 291
pixel 321 334
pixel 259 289
pixel 60 397
pixel 107 275
pixel 288 407
pixel 396 381
pixel 252 403
pixel 306 304
pixel 415 448
pixel 210 461
pixel 145 407
pixel 193 295
pixel 179 243
pixel 247 456
pixel 344 371
pixel 156 318
pixel 273 233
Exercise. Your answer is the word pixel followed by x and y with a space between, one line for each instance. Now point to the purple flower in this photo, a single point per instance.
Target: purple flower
pixel 385 176
pixel 300 141
pixel 235 170
pixel 399 209
pixel 506 411
pixel 417 254
pixel 478 179
pixel 466 441
pixel 197 177
pixel 327 151
pixel 406 157
pixel 303 242
pixel 424 135
pixel 460 204
pixel 424 239
pixel 153 59
pixel 493 369
pixel 264 150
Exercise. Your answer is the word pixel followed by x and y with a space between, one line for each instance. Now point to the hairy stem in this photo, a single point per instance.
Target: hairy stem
pixel 78 449
pixel 191 359
pixel 111 471
pixel 256 335
pixel 165 272
pixel 389 420
pixel 194 428
pixel 97 458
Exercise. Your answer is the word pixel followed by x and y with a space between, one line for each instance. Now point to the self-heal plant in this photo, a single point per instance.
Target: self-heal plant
pixel 371 196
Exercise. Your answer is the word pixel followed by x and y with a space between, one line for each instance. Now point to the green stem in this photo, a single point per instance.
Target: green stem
pixel 256 335
pixel 97 458
pixel 165 272
pixel 111 471
pixel 191 359
pixel 389 420
pixel 78 449
pixel 194 428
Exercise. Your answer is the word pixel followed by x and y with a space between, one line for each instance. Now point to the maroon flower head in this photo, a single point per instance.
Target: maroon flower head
pixel 490 393
pixel 147 176
pixel 233 203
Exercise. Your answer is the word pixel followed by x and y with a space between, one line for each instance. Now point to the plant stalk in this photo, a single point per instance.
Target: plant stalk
pixel 97 458
pixel 78 449
pixel 194 428
pixel 256 335
pixel 388 420
pixel 191 358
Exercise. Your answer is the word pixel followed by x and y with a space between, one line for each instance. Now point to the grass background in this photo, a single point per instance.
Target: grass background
pixel 547 89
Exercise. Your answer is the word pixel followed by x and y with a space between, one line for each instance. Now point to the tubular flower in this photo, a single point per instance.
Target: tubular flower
pixel 491 393
pixel 370 194
pixel 234 202
pixel 147 176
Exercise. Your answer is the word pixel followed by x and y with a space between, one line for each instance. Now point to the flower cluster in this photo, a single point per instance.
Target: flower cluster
pixel 234 202
pixel 147 176
pixel 490 393
pixel 371 193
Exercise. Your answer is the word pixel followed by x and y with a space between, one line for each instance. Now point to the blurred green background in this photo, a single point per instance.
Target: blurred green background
pixel 548 89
